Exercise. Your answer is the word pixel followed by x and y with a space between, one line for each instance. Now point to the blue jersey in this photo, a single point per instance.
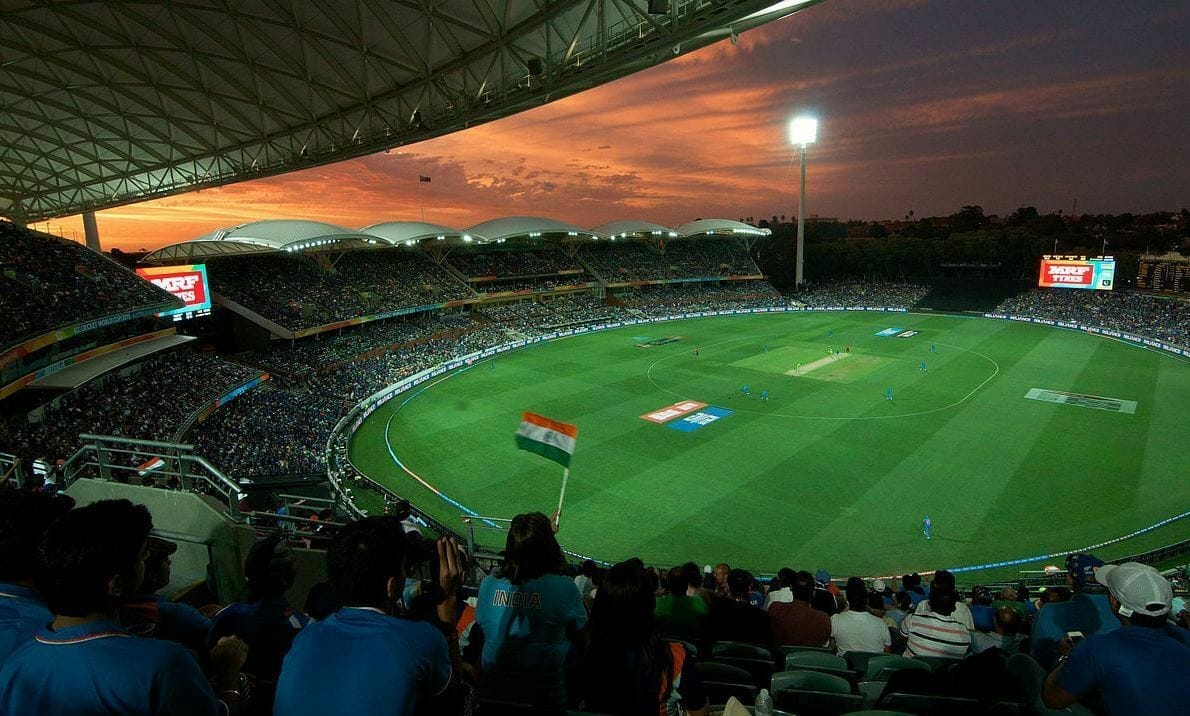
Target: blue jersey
pixel 527 630
pixel 154 616
pixel 268 627
pixel 1133 669
pixel 362 661
pixel 22 614
pixel 99 668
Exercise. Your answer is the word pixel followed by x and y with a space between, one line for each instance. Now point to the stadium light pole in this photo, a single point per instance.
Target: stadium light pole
pixel 802 132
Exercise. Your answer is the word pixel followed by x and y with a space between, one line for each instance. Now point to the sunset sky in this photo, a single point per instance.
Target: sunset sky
pixel 925 105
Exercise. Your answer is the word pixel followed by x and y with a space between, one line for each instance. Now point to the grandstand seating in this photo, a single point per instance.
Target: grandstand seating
pixel 701 257
pixel 150 400
pixel 47 283
pixel 296 292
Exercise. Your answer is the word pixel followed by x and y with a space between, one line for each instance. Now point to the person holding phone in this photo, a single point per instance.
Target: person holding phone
pixel 1139 668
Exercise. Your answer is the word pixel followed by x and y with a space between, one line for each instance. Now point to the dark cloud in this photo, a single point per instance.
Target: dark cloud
pixel 929 105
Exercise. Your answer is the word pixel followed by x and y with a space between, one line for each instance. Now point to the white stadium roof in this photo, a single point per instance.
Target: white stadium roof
pixel 412 232
pixel 261 236
pixel 720 227
pixel 511 227
pixel 633 228
pixel 298 235
pixel 111 103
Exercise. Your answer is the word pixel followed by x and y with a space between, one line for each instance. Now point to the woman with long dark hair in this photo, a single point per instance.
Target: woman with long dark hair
pixel 528 615
pixel 628 669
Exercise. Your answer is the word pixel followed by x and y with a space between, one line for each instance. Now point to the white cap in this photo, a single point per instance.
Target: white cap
pixel 878 585
pixel 1138 588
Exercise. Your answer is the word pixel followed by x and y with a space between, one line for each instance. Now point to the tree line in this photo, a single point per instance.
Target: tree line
pixel 968 243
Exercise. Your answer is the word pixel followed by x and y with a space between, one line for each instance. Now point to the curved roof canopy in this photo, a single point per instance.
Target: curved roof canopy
pixel 515 227
pixel 262 236
pixel 110 103
pixel 625 229
pixel 720 227
pixel 409 233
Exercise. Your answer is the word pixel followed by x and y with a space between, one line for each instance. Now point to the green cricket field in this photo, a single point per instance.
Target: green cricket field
pixel 1017 440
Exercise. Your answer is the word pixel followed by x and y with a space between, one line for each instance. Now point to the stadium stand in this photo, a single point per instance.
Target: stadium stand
pixel 489 264
pixel 701 257
pixel 1166 319
pixel 296 292
pixel 149 400
pixel 47 282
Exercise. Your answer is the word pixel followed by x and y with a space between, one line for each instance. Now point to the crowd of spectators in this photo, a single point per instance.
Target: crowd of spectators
pixel 529 317
pixel 1166 319
pixel 620 261
pixel 665 299
pixel 47 282
pixel 296 292
pixel 858 294
pixel 324 350
pixel 513 263
pixel 396 629
pixel 151 401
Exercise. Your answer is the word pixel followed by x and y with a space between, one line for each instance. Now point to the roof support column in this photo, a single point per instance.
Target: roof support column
pixel 18 214
pixel 91 231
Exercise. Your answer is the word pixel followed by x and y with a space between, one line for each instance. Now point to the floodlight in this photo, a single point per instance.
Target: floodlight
pixel 803 131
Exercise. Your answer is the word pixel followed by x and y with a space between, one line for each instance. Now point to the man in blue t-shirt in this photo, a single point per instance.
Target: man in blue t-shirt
pixel 265 621
pixel 529 616
pixel 1140 668
pixel 152 615
pixel 362 659
pixel 24 517
pixel 85 662
pixel 1087 611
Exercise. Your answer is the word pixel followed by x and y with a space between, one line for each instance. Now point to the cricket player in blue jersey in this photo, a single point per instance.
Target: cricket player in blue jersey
pixel 746 390
pixel 888 394
pixel 927 526
pixel 922 367
pixel 933 348
pixel 764 395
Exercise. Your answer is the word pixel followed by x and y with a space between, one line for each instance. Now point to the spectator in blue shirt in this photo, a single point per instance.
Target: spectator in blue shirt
pixel 24 517
pixel 529 615
pixel 265 621
pixel 363 658
pixel 1087 611
pixel 85 662
pixel 152 615
pixel 1140 668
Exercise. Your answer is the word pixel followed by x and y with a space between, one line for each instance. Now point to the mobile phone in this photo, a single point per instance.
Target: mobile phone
pixel 1074 636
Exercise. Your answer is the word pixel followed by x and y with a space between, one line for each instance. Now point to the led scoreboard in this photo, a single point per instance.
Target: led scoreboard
pixel 1163 275
pixel 1078 272
pixel 188 283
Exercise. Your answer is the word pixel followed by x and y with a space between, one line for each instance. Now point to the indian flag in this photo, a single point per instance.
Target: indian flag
pixel 548 438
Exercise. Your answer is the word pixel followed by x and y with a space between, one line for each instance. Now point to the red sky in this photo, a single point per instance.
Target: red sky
pixel 924 105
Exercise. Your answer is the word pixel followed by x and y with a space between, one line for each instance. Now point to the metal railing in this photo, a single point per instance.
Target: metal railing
pixel 11 470
pixel 133 461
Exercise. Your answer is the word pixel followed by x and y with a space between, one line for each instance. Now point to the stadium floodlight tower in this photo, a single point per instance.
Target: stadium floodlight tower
pixel 802 133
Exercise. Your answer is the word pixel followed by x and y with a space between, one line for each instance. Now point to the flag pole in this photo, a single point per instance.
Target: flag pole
pixel 562 495
pixel 421 207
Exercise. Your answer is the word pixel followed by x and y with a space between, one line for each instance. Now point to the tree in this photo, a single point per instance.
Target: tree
pixel 878 231
pixel 1023 216
pixel 969 218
